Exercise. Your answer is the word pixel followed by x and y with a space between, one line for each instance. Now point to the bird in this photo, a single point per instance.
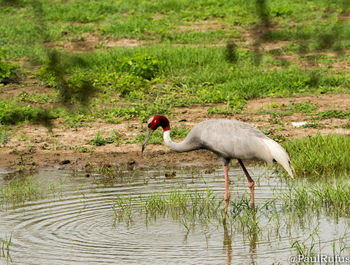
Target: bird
pixel 228 139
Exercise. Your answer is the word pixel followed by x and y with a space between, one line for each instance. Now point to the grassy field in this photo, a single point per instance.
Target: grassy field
pixel 68 64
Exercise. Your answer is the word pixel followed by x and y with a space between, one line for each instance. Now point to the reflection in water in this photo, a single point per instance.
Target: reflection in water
pixel 227 242
pixel 128 219
pixel 252 242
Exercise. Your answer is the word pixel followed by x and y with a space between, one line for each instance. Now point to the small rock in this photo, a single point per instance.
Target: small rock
pixel 44 146
pixel 209 170
pixel 171 174
pixel 131 162
pixel 13 152
pixel 65 162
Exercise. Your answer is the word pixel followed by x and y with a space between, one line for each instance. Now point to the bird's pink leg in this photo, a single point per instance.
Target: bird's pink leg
pixel 227 190
pixel 250 183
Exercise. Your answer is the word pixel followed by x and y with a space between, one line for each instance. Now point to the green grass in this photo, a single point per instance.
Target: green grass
pixel 339 114
pixel 136 19
pixel 233 106
pixel 8 71
pixel 157 77
pixel 212 80
pixel 288 109
pixel 99 140
pixel 4 136
pixel 157 137
pixel 284 210
pixel 312 124
pixel 320 156
pixel 12 112
pixel 186 206
pixel 33 98
pixel 21 189
pixel 182 65
pixel 332 195
pixel 304 107
pixel 5 245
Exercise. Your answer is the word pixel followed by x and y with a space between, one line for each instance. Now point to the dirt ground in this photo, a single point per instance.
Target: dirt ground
pixel 33 146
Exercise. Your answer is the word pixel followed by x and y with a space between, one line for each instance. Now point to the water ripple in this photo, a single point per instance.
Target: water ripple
pixel 78 226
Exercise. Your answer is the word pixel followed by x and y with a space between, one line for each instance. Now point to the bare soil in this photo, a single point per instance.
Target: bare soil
pixel 202 26
pixel 33 146
pixel 92 41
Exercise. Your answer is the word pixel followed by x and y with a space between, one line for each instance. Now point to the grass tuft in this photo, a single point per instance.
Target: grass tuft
pixel 5 246
pixel 333 196
pixel 21 189
pixel 320 156
pixel 339 114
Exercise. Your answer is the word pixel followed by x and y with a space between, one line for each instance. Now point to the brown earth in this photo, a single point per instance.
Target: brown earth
pixel 33 146
pixel 202 26
pixel 89 42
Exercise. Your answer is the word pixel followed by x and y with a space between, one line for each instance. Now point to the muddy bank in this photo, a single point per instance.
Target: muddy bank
pixel 33 146
pixel 153 157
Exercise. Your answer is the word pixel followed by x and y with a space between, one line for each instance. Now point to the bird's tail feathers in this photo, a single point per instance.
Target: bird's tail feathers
pixel 280 155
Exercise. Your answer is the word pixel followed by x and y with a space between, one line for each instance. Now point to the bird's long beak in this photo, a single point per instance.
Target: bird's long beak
pixel 150 131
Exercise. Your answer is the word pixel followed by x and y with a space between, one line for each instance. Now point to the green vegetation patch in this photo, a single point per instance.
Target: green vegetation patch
pixel 320 156
pixel 99 140
pixel 339 114
pixel 288 109
pixel 14 113
pixel 333 195
pixel 233 106
pixel 158 70
pixel 8 71
pixel 5 246
pixel 21 189
pixel 4 136
pixel 157 136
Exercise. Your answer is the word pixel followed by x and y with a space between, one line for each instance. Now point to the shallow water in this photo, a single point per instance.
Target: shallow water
pixel 76 225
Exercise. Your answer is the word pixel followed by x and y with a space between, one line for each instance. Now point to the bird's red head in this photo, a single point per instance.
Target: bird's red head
pixel 156 121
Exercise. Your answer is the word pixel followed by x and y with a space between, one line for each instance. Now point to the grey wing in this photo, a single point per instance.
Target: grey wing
pixel 232 139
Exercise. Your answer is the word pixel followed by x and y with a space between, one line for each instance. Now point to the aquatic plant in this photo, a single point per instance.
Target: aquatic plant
pixel 5 246
pixel 122 210
pixel 21 189
pixel 319 196
pixel 184 205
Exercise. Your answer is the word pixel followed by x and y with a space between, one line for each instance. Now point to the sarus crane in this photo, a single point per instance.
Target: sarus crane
pixel 228 139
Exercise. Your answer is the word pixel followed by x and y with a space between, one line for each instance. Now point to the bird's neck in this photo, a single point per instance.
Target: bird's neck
pixel 167 140
pixel 184 146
